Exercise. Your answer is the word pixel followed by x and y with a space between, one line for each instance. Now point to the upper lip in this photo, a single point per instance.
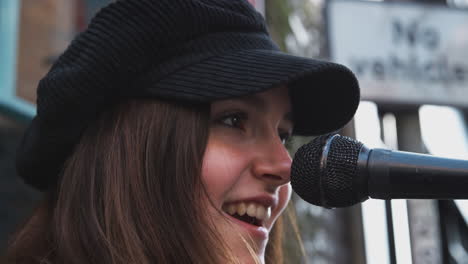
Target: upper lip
pixel 265 200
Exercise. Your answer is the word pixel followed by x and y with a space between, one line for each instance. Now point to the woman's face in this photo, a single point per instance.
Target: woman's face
pixel 246 168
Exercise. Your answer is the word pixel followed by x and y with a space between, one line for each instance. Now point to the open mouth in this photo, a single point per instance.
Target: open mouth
pixel 250 213
pixel 248 219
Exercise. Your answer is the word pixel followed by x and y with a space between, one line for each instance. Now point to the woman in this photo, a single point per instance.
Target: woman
pixel 159 137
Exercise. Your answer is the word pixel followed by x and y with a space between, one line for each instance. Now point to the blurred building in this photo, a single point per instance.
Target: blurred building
pixel 33 33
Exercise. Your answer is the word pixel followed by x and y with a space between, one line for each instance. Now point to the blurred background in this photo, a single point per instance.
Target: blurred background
pixel 411 58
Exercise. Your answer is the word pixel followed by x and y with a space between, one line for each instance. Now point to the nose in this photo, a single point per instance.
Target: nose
pixel 272 162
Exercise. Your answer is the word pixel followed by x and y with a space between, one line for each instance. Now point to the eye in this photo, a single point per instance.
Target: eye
pixel 285 138
pixel 236 120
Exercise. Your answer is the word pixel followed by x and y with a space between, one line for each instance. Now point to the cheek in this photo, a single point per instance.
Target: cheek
pixel 284 195
pixel 285 192
pixel 221 169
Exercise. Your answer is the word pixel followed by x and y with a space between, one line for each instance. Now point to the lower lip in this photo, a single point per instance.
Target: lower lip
pixel 258 232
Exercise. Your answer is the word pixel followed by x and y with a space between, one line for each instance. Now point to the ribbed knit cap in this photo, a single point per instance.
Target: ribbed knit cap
pixel 187 50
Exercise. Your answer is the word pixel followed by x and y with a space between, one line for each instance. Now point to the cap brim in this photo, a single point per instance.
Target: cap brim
pixel 324 95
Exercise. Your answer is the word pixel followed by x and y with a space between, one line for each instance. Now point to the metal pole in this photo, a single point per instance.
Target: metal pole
pixel 423 214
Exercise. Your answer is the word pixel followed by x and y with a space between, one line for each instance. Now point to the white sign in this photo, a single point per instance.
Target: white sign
pixel 402 53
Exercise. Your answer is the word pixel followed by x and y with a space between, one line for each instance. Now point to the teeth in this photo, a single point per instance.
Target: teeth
pixel 241 209
pixel 260 213
pixel 231 209
pixel 252 209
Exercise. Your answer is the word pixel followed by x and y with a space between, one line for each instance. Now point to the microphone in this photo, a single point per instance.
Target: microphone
pixel 337 171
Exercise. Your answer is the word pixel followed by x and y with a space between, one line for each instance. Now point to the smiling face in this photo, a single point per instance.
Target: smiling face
pixel 246 168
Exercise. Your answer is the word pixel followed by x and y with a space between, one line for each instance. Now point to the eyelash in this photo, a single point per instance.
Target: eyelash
pixel 285 138
pixel 241 118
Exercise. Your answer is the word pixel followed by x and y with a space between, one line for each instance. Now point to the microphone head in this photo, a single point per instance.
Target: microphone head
pixel 324 172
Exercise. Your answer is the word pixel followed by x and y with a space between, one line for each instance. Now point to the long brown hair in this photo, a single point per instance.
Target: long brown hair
pixel 129 193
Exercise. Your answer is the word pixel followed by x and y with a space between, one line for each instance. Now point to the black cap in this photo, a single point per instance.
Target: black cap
pixel 186 50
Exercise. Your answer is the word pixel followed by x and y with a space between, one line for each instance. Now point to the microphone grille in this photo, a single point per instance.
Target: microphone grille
pixel 305 169
pixel 330 184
